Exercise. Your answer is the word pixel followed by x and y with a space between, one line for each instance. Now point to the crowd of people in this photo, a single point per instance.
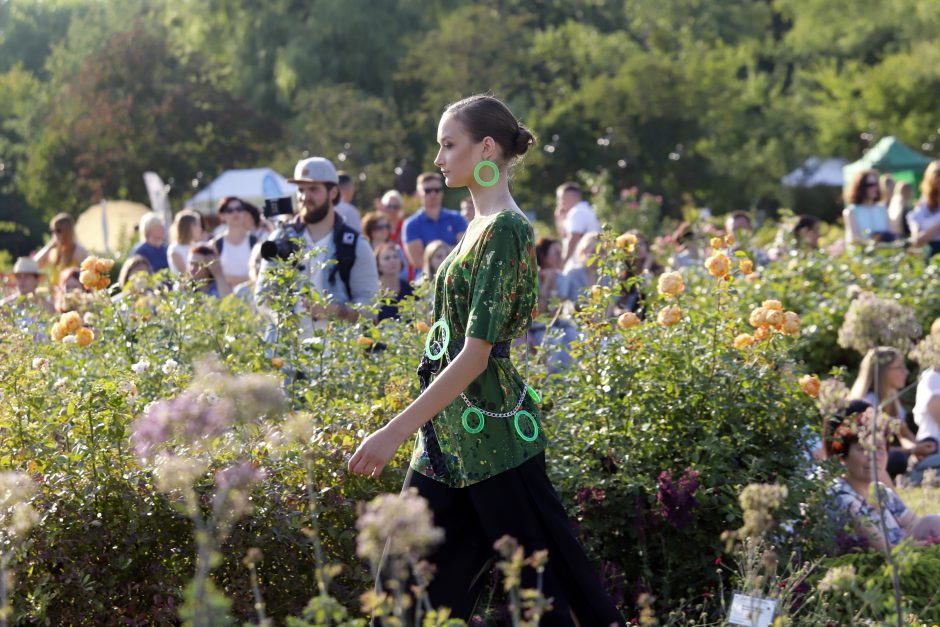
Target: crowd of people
pixel 383 256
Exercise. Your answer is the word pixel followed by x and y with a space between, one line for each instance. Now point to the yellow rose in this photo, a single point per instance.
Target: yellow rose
pixel 758 317
pixel 364 341
pixel 88 278
pixel 791 324
pixel 627 240
pixel 716 243
pixel 627 320
pixel 422 326
pixel 70 321
pixel 103 283
pixel 670 284
pixel 277 362
pixel 729 240
pixel 746 266
pixel 743 340
pixel 753 277
pixel 776 305
pixel 89 263
pixel 58 332
pixel 669 316
pixel 84 336
pixel 774 318
pixel 718 265
pixel 810 384
pixel 103 266
pixel 761 334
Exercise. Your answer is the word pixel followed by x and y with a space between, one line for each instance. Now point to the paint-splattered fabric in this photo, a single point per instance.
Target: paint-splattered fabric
pixel 487 288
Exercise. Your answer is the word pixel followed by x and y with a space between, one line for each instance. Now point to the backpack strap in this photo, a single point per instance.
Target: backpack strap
pixel 218 242
pixel 344 240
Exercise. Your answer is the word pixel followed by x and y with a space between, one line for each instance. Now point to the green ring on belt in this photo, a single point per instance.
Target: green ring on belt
pixel 466 424
pixel 535 425
pixel 534 395
pixel 427 342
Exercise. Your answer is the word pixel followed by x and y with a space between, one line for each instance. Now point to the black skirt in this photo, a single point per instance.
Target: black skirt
pixel 522 503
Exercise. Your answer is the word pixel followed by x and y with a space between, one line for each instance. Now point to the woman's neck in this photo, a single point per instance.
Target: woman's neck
pixel 489 201
pixel 390 281
pixel 236 235
pixel 863 487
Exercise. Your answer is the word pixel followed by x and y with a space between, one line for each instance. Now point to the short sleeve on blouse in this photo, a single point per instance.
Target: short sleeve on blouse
pixel 502 281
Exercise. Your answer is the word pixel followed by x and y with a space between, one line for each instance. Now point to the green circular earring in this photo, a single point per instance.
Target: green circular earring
pixel 480 166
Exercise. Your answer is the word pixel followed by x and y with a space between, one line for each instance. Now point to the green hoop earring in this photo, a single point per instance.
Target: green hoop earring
pixel 480 166
pixel 470 411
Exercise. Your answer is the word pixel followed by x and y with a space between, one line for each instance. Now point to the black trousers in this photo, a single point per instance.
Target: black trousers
pixel 522 503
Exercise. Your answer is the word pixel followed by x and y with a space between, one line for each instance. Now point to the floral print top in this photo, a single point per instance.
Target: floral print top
pixel 857 506
pixel 487 288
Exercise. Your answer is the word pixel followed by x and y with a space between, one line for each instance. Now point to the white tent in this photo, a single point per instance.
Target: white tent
pixel 816 171
pixel 254 186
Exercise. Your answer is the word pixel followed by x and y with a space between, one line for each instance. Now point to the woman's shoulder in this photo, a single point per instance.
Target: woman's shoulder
pixel 507 224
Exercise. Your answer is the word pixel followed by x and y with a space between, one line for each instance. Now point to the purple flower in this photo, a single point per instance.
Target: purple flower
pixel 238 477
pixel 676 500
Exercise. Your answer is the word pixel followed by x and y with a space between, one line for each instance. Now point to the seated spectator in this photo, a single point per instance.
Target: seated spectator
pixel 133 276
pixel 924 219
pixel 186 231
pixel 806 232
pixel 152 246
pixel 205 271
pixel 63 250
pixel 574 218
pixel 642 266
pixel 234 246
pixel 882 375
pixel 388 259
pixel 899 207
pixel 852 490
pixel 27 275
pixel 865 215
pixel 548 255
pixel 431 222
pixel 927 413
pixel 685 243
pixel 70 290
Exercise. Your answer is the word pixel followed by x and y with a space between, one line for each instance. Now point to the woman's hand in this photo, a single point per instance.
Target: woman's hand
pixel 374 453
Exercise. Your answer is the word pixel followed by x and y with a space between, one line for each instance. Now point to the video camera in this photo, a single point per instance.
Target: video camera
pixel 281 248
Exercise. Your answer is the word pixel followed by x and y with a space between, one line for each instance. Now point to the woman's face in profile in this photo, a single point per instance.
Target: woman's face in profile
pixel 458 154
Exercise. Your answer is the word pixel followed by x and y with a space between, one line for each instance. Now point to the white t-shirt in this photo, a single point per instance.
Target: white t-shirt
pixel 927 388
pixel 349 214
pixel 234 258
pixel 923 218
pixel 181 250
pixel 581 219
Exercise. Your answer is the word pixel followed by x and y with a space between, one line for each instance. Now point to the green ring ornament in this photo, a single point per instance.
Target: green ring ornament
pixel 534 395
pixel 466 423
pixel 480 166
pixel 427 342
pixel 525 437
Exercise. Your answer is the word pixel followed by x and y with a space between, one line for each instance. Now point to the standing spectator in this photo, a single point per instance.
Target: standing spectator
pixel 393 206
pixel 205 272
pixel 346 210
pixel 466 209
pixel 234 246
pixel 432 221
pixel 882 375
pixel 152 246
pixel 899 207
pixel 866 217
pixel 924 219
pixel 582 275
pixel 574 217
pixel 63 250
pixel 186 231
pixel 388 260
pixel 259 226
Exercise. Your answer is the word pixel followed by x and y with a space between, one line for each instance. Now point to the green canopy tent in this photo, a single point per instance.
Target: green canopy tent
pixel 890 156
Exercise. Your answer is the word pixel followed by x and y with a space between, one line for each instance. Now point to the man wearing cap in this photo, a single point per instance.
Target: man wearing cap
pixel 27 274
pixel 353 279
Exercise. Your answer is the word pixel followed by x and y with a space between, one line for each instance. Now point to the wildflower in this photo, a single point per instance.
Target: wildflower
pixel 670 284
pixel 927 352
pixel 627 241
pixel 716 243
pixel 422 326
pixel 238 477
pixel 140 367
pixel 17 516
pixel 84 337
pixel 744 340
pixel 718 265
pixel 169 367
pixel 129 388
pixel 41 364
pixel 398 523
pixel 628 320
pixel 746 266
pixel 791 324
pixel 810 385
pixel 838 579
pixel 70 321
pixel 676 499
pixel 832 396
pixel 669 316
pixel 758 501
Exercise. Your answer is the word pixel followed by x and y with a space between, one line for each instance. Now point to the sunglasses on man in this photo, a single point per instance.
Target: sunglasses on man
pixel 432 190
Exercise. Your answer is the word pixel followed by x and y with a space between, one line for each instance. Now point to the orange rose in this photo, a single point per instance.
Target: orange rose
pixel 103 266
pixel 89 263
pixel 103 283
pixel 88 278
pixel 810 384
pixel 729 240
pixel 791 324
pixel 746 266
pixel 716 243
pixel 84 336
pixel 364 341
pixel 776 305
pixel 774 318
pixel 758 317
pixel 670 284
pixel 70 321
pixel 58 332
pixel 628 320
pixel 762 334
pixel 743 341
pixel 669 316
pixel 718 265
pixel 277 362
pixel 422 326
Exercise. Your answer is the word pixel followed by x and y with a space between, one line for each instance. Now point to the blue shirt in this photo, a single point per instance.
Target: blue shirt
pixel 156 256
pixel 447 227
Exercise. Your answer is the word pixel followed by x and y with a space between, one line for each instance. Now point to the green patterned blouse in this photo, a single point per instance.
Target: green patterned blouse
pixel 487 288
